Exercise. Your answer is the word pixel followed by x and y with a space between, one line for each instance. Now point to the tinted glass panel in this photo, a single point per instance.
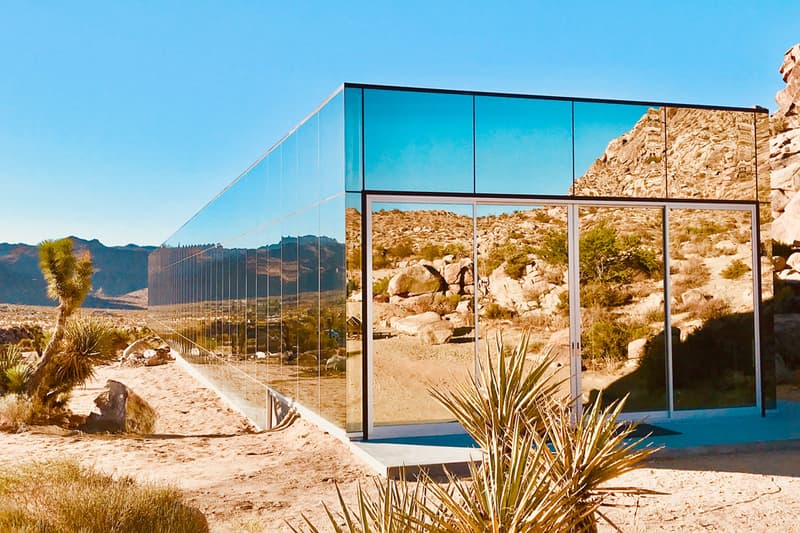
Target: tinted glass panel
pixel 423 323
pixel 711 154
pixel 623 346
pixel 619 150
pixel 417 141
pixel 523 146
pixel 711 284
pixel 522 283
pixel 354 177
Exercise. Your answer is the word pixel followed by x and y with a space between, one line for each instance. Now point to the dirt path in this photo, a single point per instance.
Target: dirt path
pixel 244 481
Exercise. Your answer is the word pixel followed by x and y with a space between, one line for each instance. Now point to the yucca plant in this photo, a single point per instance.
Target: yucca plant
pixel 15 371
pixel 540 472
pixel 86 344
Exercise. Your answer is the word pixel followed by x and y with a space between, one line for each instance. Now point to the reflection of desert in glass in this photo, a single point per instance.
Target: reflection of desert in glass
pixel 423 320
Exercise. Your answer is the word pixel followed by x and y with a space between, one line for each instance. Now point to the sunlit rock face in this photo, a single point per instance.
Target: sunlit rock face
pixel 784 156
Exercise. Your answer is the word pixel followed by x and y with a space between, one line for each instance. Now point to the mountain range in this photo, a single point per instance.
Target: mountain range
pixel 119 281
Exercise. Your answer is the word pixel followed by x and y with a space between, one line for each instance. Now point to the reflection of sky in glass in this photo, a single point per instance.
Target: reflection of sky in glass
pixel 305 168
pixel 596 124
pixel 416 141
pixel 523 145
pixel 353 141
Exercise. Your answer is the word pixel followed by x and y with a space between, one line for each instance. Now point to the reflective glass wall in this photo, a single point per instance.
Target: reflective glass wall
pixel 252 290
pixel 664 233
pixel 378 250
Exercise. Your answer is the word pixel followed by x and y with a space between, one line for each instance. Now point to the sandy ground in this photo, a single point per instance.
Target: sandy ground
pixel 246 481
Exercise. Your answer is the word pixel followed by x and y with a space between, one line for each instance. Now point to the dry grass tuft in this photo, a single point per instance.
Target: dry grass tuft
pixel 63 496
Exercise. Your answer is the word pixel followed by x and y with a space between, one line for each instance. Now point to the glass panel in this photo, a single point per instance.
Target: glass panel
pixel 353 308
pixel 619 150
pixel 711 154
pixel 354 142
pixel 623 346
pixel 423 334
pixel 305 323
pixel 334 364
pixel 289 337
pixel 762 159
pixel 331 160
pixel 711 284
pixel 418 141
pixel 523 146
pixel 523 282
pixel 767 311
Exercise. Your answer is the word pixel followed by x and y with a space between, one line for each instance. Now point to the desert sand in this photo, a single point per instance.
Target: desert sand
pixel 249 481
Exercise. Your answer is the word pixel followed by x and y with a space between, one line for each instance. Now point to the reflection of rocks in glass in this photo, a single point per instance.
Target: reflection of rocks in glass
pixel 710 154
pixel 632 165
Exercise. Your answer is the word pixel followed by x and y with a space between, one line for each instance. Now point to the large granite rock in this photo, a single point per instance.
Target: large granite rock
pixel 416 280
pixel 411 325
pixel 121 411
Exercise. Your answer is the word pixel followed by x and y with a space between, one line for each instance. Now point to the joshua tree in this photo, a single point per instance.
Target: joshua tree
pixel 68 281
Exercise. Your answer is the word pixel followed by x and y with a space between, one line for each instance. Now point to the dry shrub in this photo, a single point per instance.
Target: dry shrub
pixel 16 412
pixel 63 496
pixel 735 270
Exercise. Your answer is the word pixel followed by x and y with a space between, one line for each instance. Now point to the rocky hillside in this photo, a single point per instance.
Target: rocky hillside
pixel 119 270
pixel 784 157
pixel 709 154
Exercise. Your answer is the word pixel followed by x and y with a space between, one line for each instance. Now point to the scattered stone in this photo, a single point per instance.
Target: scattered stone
pixel 411 325
pixel 336 362
pixel 121 411
pixel 438 332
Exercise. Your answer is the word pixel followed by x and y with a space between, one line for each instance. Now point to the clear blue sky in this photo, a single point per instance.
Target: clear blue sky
pixel 119 120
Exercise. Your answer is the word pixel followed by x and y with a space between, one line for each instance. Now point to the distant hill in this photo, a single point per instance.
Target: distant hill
pixel 119 271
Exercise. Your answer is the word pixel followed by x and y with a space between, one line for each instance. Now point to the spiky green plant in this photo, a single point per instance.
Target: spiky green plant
pixel 503 391
pixel 539 473
pixel 69 279
pixel 15 371
pixel 86 344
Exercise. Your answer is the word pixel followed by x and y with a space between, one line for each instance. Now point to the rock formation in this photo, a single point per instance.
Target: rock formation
pixel 784 156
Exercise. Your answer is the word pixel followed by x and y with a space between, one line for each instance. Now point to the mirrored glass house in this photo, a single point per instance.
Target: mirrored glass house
pixel 380 248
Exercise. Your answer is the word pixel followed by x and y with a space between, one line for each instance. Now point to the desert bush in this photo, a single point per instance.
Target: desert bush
pixel 380 287
pixel 735 270
pixel 431 252
pixel 604 342
pixel 553 248
pixel 496 311
pixel 604 294
pixel 402 249
pixel 712 309
pixel 380 260
pixel 782 249
pixel 16 411
pixel 540 472
pixel 354 259
pixel 63 496
pixel 695 272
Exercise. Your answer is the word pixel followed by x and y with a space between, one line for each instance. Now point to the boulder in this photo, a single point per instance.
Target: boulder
pixel 794 261
pixel 692 297
pixel 778 262
pixel 415 280
pixel 453 274
pixel 789 274
pixel 636 348
pixel 158 356
pixel 412 325
pixel 336 362
pixel 121 411
pixel 464 307
pixel 436 332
